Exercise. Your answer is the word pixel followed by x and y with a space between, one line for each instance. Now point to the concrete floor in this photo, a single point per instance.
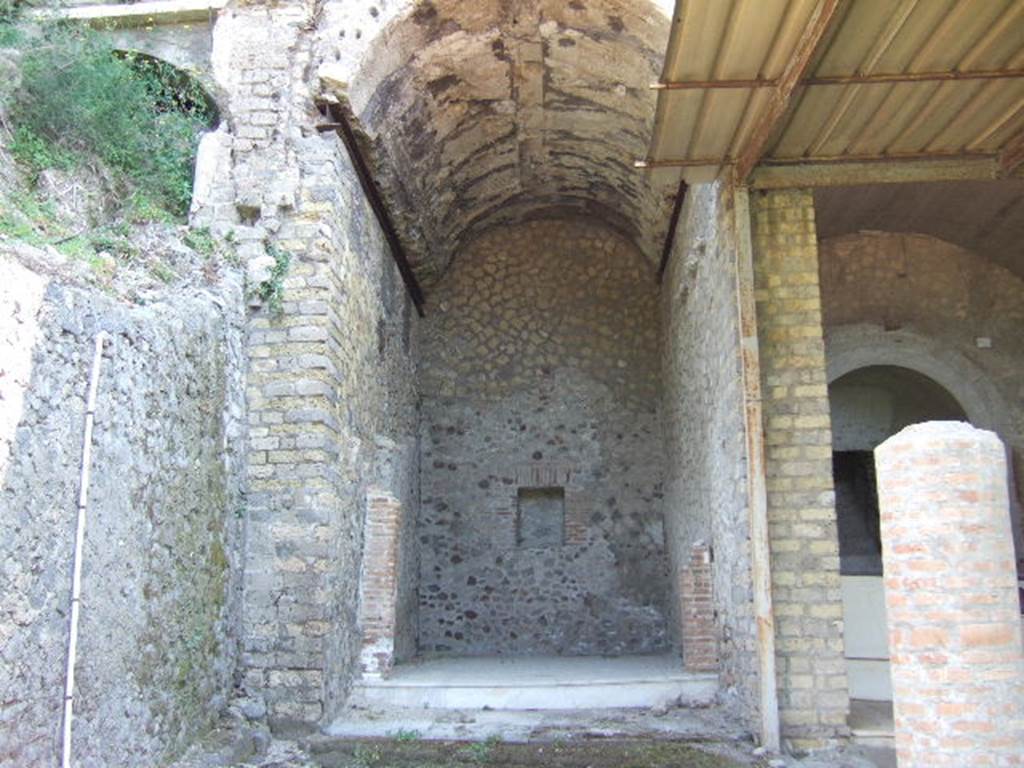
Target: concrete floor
pixel 538 682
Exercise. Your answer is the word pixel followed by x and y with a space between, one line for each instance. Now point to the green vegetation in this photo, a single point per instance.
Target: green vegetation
pixel 271 290
pixel 8 11
pixel 81 102
pixel 482 751
pixel 124 126
pixel 201 241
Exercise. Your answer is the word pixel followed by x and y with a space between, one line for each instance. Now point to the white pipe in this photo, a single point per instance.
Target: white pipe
pixel 76 580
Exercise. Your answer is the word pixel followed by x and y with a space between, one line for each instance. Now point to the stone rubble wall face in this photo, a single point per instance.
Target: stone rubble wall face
pixel 951 598
pixel 813 698
pixel 540 369
pixel 163 546
pixel 705 461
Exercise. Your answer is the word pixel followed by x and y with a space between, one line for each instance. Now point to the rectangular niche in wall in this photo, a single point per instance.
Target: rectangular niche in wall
pixel 540 517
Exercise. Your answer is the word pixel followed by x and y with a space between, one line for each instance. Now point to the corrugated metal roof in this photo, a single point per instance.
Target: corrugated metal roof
pixel 726 57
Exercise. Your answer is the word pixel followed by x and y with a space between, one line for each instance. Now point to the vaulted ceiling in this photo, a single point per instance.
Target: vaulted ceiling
pixel 484 112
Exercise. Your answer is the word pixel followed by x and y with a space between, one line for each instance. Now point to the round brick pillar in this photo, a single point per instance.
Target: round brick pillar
pixel 951 597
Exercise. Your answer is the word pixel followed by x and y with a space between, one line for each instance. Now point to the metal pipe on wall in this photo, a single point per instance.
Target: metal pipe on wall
pixel 76 578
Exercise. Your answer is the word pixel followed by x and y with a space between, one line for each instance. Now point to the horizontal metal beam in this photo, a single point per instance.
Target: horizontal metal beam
pixel 917 77
pixel 875 158
pixel 842 174
pixel 782 173
pixel 872 79
pixel 703 162
pixel 673 163
pixel 699 85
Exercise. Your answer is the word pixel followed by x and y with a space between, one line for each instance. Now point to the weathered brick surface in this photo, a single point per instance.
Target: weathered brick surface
pixel 378 583
pixel 813 699
pixel 697 608
pixel 951 598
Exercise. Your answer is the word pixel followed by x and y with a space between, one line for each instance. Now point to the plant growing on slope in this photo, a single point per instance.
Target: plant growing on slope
pixel 79 100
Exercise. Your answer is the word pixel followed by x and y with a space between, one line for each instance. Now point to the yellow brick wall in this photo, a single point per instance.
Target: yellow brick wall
pixel 813 699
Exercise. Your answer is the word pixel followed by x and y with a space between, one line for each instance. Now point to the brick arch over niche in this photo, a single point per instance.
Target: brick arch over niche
pixel 854 347
pixel 912 300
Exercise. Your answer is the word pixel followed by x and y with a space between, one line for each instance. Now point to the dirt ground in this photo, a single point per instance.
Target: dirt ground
pixel 398 753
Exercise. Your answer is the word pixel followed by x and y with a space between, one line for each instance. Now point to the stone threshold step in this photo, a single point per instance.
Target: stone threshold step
pixel 541 682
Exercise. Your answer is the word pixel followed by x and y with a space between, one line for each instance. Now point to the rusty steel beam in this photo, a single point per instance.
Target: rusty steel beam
pixel 770 118
pixel 767 176
pixel 917 77
pixel 340 124
pixel 772 162
pixel 872 79
pixel 673 223
pixel 677 163
pixel 756 480
pixel 875 158
pixel 696 85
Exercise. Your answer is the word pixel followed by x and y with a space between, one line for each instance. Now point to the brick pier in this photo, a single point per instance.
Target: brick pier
pixel 951 597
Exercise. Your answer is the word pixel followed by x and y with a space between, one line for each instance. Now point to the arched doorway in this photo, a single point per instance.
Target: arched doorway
pixel 868 406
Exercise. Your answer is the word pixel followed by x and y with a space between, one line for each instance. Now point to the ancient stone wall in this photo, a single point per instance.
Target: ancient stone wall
pixel 540 387
pixel 162 555
pixel 331 376
pixel 813 699
pixel 705 484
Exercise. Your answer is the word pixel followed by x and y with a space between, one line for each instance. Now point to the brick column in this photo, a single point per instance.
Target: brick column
pixel 378 598
pixel 813 699
pixel 951 598
pixel 697 612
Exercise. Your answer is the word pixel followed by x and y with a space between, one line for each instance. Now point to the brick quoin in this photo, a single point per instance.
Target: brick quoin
pixel 697 611
pixel 951 598
pixel 378 600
